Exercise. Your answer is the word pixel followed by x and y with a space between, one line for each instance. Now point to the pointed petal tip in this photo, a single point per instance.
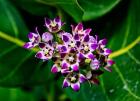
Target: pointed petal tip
pixel 47 21
pixel 75 86
pixel 28 45
pixel 39 55
pixel 79 26
pixel 75 67
pixel 54 69
pixel 57 19
pixel 82 78
pixel 65 84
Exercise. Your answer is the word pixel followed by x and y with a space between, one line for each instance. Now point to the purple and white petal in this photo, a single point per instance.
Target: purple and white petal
pixel 79 27
pixel 102 43
pixel 87 31
pixel 73 29
pixel 57 19
pixel 65 65
pixel 93 46
pixel 32 36
pixel 80 56
pixel 47 22
pixel 107 51
pixel 75 86
pixel 95 64
pixel 75 67
pixel 41 55
pixel 82 78
pixel 28 45
pixel 65 71
pixel 47 37
pixel 66 37
pixel 55 69
pixel 65 83
pixel 110 62
pixel 63 49
pixel 90 56
pixel 92 40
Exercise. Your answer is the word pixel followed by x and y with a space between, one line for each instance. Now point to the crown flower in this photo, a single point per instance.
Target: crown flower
pixel 78 56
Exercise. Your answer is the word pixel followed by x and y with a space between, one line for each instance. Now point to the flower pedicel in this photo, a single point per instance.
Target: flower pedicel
pixel 78 56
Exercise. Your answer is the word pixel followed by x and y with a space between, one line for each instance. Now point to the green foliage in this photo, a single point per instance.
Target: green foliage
pixel 19 68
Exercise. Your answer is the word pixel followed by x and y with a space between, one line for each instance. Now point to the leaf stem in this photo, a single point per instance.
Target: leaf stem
pixel 14 40
pixel 125 49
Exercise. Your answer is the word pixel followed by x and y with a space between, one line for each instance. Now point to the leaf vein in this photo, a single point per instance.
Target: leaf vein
pixel 16 68
pixel 125 83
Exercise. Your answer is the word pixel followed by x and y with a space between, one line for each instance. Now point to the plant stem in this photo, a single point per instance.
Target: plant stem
pixel 125 49
pixel 113 55
pixel 14 40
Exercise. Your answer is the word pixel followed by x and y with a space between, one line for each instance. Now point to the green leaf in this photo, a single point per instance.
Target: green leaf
pixel 15 95
pixel 17 65
pixel 78 9
pixel 96 8
pixel 123 83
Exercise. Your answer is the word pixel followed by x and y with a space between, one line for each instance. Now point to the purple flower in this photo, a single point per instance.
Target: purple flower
pixel 34 39
pixel 80 30
pixel 46 52
pixel 73 55
pixel 87 48
pixel 71 60
pixel 74 79
pixel 100 46
pixel 54 25
pixel 69 41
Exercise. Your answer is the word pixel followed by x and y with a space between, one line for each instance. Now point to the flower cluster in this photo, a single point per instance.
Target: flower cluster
pixel 78 56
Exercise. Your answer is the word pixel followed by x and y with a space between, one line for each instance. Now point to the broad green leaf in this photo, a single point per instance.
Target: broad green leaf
pixel 17 65
pixel 96 8
pixel 123 83
pixel 78 9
